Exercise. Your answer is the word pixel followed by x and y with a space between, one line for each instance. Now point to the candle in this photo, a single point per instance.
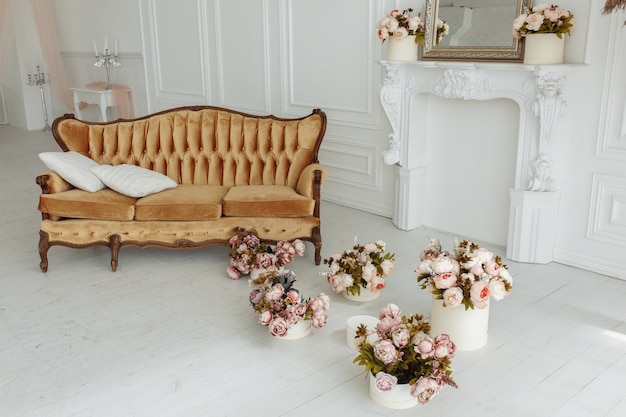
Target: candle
pixel 116 48
pixel 95 48
pixel 106 44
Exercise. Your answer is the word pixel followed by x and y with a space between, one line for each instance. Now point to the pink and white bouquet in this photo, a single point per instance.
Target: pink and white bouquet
pixel 399 350
pixel 280 305
pixel 365 266
pixel 248 252
pixel 400 24
pixel 471 275
pixel 543 18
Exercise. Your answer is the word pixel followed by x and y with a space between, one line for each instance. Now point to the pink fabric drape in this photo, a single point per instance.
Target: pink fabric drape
pixel 46 27
pixel 7 15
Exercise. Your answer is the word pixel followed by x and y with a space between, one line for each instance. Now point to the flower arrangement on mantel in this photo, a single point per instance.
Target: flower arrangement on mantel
pixel 364 267
pixel 543 18
pixel 471 275
pixel 399 350
pixel 400 24
pixel 247 252
pixel 280 305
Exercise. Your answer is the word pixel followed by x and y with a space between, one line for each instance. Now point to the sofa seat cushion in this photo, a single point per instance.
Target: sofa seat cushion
pixel 266 201
pixel 105 204
pixel 185 202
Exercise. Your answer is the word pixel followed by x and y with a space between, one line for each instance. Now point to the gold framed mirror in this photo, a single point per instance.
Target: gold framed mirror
pixel 480 30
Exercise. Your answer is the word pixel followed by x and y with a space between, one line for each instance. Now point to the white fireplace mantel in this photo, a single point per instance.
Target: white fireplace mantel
pixel 539 92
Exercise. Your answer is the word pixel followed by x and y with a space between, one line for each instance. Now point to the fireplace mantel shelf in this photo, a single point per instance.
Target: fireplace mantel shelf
pixel 539 91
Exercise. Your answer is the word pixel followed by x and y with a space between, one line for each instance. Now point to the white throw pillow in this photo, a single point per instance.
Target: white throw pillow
pixel 133 180
pixel 73 167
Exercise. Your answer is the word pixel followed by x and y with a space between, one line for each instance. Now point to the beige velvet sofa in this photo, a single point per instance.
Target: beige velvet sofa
pixel 232 170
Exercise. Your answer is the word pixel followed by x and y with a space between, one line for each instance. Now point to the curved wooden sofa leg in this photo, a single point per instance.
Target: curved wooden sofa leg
pixel 115 243
pixel 44 245
pixel 316 238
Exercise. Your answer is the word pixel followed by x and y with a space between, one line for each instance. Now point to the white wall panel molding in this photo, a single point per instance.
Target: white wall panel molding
pixel 352 164
pixel 614 267
pixel 243 66
pixel 607 215
pixel 611 143
pixel 337 73
pixel 175 75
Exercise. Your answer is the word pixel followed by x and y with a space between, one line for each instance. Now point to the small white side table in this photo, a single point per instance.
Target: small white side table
pixel 101 97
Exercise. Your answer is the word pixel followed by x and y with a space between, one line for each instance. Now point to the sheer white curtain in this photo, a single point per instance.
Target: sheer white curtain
pixel 46 27
pixel 7 15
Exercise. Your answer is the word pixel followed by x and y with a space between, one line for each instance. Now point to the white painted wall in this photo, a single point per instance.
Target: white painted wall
pixel 287 57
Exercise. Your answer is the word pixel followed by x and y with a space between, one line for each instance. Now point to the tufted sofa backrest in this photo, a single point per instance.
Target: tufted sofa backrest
pixel 202 145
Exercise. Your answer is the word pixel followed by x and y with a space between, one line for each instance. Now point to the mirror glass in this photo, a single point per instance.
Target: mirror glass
pixel 480 30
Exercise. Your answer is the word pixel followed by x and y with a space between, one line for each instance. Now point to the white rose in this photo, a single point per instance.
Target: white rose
pixel 387 267
pixel 369 271
pixel 442 264
pixel 497 289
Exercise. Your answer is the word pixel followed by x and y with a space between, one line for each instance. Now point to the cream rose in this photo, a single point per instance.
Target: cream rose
pixel 497 289
pixel 387 267
pixel 452 297
pixel 445 280
pixel 424 390
pixel 442 264
pixel 479 294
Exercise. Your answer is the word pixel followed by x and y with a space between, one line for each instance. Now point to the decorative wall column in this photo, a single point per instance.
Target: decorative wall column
pixel 539 93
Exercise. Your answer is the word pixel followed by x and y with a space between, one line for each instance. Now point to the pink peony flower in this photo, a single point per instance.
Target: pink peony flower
pixel 479 294
pixel 278 327
pixel 492 268
pixel 232 272
pixel 299 247
pixel 400 33
pixel 385 382
pixel 265 318
pixel 385 351
pixel 425 347
pixel 275 293
pixel 256 296
pixel 442 265
pixel 424 390
pixel 376 284
pixel 497 289
pixel 387 267
pixel 452 297
pixel 445 340
pixel 391 310
pixel 400 336
pixel 445 280
pixel 293 296
pixel 319 321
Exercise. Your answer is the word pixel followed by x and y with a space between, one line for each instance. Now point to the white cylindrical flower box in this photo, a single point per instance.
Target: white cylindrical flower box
pixel 402 49
pixel 353 323
pixel 298 330
pixel 398 398
pixel 363 296
pixel 468 329
pixel 543 49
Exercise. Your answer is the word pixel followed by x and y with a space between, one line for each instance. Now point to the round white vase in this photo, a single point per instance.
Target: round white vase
pixel 364 295
pixel 402 49
pixel 398 398
pixel 298 330
pixel 468 329
pixel 543 49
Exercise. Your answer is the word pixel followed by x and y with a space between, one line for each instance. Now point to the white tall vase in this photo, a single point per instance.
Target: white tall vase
pixel 402 49
pixel 468 329
pixel 543 48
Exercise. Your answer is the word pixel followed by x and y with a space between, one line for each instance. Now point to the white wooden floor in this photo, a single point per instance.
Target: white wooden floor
pixel 169 334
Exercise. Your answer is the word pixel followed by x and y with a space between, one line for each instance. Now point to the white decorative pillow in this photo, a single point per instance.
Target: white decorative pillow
pixel 73 167
pixel 133 180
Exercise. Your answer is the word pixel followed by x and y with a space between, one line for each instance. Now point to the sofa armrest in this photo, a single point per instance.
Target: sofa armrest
pixel 306 182
pixel 51 183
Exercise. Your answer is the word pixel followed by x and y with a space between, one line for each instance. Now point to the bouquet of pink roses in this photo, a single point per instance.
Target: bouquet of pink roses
pixel 247 252
pixel 280 305
pixel 365 266
pixel 399 350
pixel 469 276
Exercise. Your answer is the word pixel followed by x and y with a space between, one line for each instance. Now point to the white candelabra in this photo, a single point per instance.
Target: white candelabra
pixel 106 60
pixel 39 79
